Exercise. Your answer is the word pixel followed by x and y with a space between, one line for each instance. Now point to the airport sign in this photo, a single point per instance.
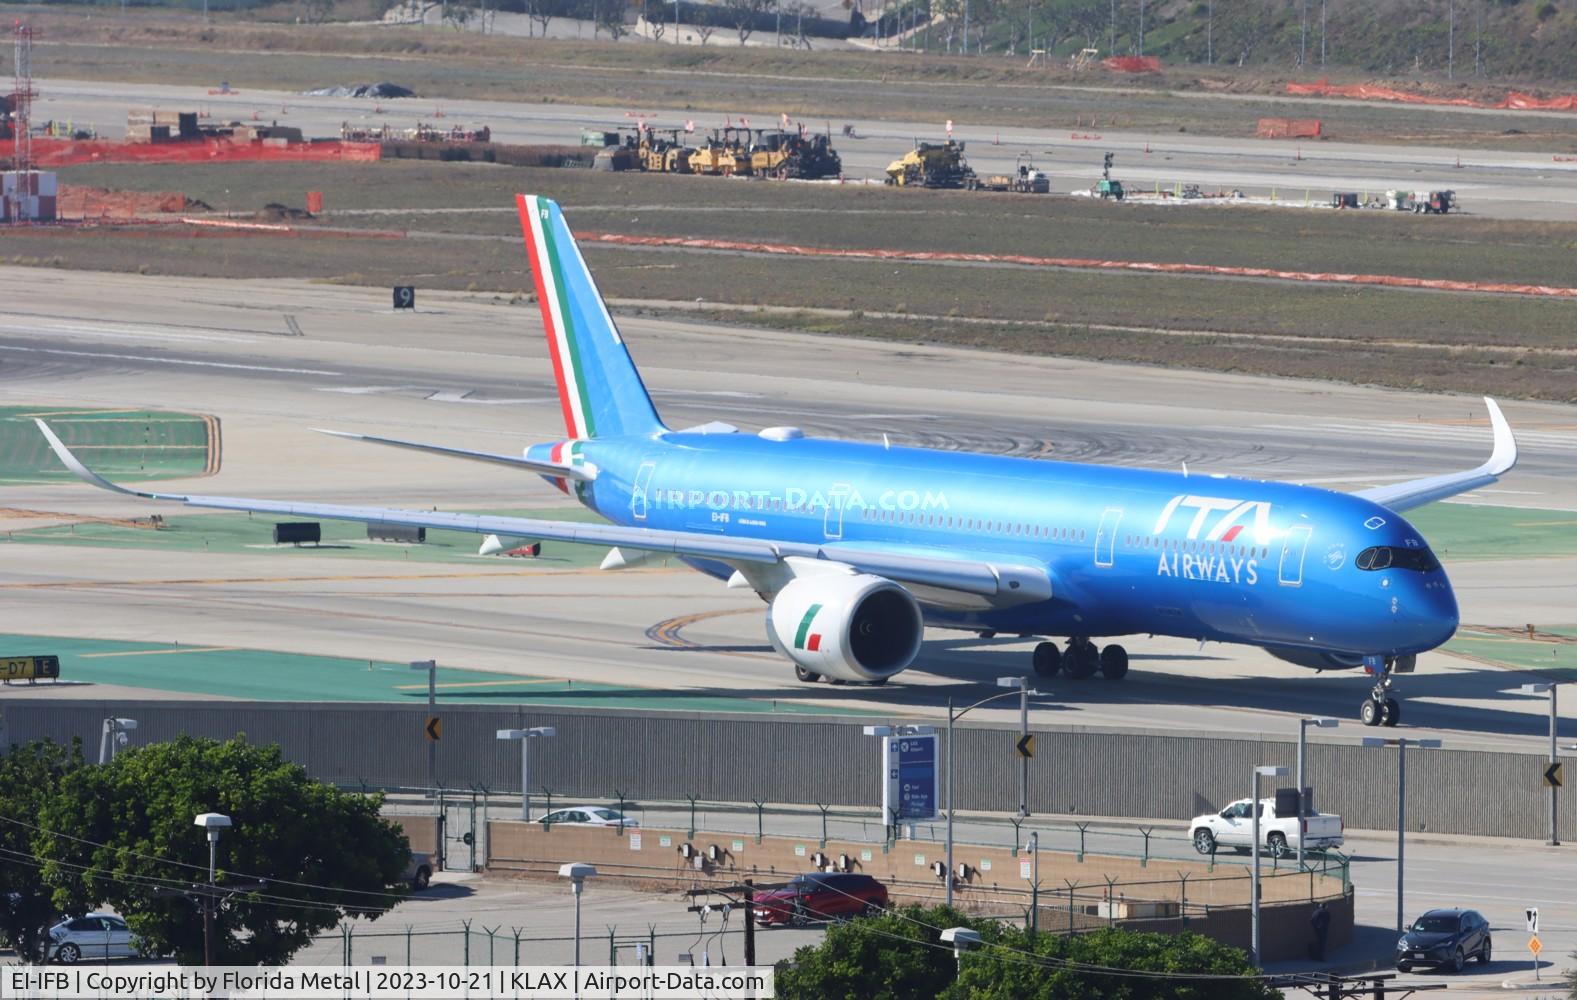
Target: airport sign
pixel 1552 775
pixel 909 793
pixel 27 668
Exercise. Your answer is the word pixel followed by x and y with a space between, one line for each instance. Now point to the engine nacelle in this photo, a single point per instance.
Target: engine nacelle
pixel 1316 659
pixel 855 627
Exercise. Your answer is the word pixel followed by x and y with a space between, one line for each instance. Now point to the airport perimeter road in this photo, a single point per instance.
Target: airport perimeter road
pixel 1513 185
pixel 472 371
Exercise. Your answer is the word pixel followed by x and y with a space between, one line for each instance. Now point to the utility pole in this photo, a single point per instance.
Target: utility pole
pixel 1210 32
pixel 1034 884
pixel 431 666
pixel 1451 39
pixel 1303 36
pixel 1141 27
pixel 1322 34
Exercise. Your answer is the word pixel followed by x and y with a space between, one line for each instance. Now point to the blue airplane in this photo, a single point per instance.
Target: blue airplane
pixel 857 547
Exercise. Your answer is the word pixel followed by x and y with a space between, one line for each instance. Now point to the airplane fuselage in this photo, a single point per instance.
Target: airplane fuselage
pixel 1128 550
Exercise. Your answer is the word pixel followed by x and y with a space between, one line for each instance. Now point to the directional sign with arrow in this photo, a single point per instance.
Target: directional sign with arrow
pixel 1025 745
pixel 1552 775
pixel 434 728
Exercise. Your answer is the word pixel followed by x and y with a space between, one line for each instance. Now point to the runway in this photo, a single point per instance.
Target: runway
pixel 1502 184
pixel 471 370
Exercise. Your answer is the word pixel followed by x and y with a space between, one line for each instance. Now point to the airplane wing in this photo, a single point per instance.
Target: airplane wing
pixel 556 469
pixel 1417 492
pixel 998 583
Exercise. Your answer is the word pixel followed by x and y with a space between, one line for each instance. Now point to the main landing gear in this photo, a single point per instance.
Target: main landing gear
pixel 1381 708
pixel 1081 660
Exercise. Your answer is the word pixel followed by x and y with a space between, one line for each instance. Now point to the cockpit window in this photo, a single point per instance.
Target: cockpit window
pixel 1386 557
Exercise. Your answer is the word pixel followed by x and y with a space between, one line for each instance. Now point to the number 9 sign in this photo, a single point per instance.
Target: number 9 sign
pixel 404 297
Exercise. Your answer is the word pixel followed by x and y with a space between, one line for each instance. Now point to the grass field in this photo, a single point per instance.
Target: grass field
pixel 130 444
pixel 165 47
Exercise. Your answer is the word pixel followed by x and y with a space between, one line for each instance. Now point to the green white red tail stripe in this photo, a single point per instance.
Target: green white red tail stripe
pixel 557 316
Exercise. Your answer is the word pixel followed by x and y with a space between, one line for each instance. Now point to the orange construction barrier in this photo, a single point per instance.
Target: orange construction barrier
pixel 1288 128
pixel 66 152
pixel 1513 101
pixel 315 202
pixel 1133 64
pixel 1391 280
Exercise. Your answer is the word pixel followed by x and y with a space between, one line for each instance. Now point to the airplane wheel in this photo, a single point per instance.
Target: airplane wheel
pixel 878 682
pixel 805 676
pixel 1047 659
pixel 1114 662
pixel 989 633
pixel 1369 712
pixel 1081 660
pixel 1391 713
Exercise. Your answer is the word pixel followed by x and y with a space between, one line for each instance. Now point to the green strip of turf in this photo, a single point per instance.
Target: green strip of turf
pixel 1459 531
pixel 262 675
pixel 1552 659
pixel 131 444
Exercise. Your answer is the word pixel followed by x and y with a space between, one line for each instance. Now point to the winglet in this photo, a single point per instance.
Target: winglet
pixel 81 471
pixel 1505 454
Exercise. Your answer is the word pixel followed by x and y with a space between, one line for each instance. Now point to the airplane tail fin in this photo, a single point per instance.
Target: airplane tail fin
pixel 599 389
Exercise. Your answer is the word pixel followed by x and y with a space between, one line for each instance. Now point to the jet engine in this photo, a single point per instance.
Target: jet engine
pixel 853 627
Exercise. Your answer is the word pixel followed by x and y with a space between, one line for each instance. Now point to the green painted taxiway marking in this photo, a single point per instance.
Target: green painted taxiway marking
pixel 1556 659
pixel 1458 531
pixel 126 444
pixel 264 675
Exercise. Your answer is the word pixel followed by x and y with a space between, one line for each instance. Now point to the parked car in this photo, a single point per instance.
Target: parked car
pixel 819 896
pixel 419 870
pixel 1234 827
pixel 1444 938
pixel 94 937
pixel 588 816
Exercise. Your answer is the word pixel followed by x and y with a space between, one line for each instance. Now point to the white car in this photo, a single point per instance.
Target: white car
pixel 587 816
pixel 1234 827
pixel 92 938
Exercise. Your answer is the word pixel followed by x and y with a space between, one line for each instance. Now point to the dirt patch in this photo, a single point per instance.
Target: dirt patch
pixel 78 202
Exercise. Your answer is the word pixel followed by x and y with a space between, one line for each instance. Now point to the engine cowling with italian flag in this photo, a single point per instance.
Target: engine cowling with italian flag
pixel 850 627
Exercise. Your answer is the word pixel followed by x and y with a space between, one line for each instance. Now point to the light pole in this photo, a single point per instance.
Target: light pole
pixel 1034 883
pixel 114 735
pixel 1303 751
pixel 962 939
pixel 953 717
pixel 1254 809
pixel 577 872
pixel 213 823
pixel 1401 745
pixel 525 736
pixel 431 666
pixel 1022 683
pixel 1549 687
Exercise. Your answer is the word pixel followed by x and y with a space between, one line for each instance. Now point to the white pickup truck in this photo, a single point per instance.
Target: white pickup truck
pixel 1234 827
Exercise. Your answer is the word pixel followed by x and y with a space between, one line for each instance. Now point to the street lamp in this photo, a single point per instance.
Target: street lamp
pixel 213 823
pixel 953 717
pixel 962 939
pixel 1022 683
pixel 1401 745
pixel 431 666
pixel 1303 751
pixel 1254 808
pixel 577 872
pixel 525 736
pixel 114 735
pixel 1549 687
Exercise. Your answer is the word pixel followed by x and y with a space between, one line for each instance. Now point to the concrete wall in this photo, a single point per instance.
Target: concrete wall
pixel 783 759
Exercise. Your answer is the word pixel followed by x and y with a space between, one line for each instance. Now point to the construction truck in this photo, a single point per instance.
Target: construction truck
pixel 725 153
pixel 1024 179
pixel 789 155
pixel 933 165
pixel 663 152
pixel 1107 187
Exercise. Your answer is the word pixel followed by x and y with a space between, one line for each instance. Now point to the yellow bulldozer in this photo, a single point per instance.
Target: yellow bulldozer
pixel 933 165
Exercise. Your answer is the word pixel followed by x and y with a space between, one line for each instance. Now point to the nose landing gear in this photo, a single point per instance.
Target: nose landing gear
pixel 1380 708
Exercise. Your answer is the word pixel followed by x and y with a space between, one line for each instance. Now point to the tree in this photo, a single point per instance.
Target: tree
pixel 540 12
pixel 743 14
pixel 899 955
pixel 29 777
pixel 124 830
pixel 704 29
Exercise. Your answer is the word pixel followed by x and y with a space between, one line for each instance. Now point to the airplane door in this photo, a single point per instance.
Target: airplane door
pixel 1106 536
pixel 832 518
pixel 643 479
pixel 1293 548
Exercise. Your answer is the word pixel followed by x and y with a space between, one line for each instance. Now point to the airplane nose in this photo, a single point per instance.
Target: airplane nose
pixel 1433 617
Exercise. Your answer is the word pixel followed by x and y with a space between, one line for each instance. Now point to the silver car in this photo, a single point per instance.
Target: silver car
pixel 94 937
pixel 587 816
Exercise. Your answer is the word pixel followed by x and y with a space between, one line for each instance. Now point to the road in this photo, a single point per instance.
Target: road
pixel 1502 184
pixel 470 371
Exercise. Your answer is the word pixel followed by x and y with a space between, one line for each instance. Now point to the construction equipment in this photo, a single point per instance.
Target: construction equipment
pixel 725 153
pixel 662 151
pixel 1025 179
pixel 791 155
pixel 1107 187
pixel 1434 202
pixel 933 165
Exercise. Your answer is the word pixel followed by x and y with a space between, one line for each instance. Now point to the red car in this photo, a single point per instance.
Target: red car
pixel 820 896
